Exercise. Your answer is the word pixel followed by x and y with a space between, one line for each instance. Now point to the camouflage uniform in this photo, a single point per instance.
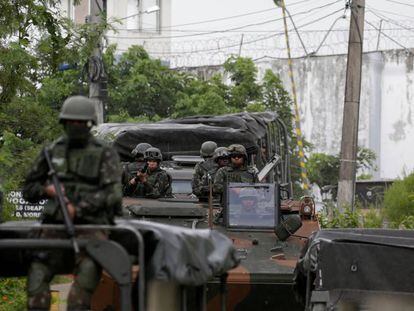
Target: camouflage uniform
pixel 130 169
pixel 204 170
pixel 199 183
pixel 233 173
pixel 158 185
pixel 158 181
pixel 230 174
pixel 90 173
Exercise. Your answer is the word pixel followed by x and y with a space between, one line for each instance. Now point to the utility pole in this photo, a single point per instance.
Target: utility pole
pixel 299 137
pixel 349 143
pixel 96 70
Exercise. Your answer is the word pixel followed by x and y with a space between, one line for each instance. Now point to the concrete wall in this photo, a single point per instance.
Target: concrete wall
pixel 386 110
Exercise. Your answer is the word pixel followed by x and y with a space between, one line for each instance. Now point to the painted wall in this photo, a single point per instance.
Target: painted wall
pixel 386 110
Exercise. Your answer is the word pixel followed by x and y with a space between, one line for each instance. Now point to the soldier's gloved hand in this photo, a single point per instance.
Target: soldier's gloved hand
pixel 51 191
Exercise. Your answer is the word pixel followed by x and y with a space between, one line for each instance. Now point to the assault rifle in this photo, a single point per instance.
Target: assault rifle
pixel 70 229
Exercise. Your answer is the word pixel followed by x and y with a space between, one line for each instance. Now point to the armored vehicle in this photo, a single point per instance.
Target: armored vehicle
pixel 147 261
pixel 372 270
pixel 268 239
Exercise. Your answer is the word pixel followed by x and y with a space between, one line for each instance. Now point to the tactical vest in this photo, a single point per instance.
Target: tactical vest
pixel 78 169
pixel 210 169
pixel 243 175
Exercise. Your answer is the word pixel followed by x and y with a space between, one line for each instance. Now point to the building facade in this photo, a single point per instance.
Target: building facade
pixel 133 22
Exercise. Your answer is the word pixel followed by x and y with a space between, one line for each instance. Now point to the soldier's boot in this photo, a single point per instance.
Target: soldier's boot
pixel 38 291
pixel 88 275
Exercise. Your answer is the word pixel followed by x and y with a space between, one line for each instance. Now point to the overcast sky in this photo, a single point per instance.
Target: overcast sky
pixel 262 18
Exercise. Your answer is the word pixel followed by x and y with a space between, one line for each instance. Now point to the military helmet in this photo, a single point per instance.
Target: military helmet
pixel 221 152
pixel 140 149
pixel 238 149
pixel 207 148
pixel 153 153
pixel 78 108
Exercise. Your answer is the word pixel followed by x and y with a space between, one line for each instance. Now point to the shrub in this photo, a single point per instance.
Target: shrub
pixel 399 200
pixel 12 294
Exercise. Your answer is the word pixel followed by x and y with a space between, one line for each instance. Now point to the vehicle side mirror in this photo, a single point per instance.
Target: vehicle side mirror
pixel 287 227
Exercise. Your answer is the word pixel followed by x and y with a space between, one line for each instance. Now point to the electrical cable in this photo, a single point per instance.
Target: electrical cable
pixel 391 21
pixel 402 3
pixel 246 42
pixel 327 34
pixel 385 35
pixel 221 18
pixel 297 32
pixel 388 12
pixel 227 30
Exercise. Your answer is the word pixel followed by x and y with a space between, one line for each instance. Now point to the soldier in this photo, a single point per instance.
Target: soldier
pixel 154 182
pixel 237 171
pixel 204 170
pixel 90 176
pixel 221 157
pixel 130 169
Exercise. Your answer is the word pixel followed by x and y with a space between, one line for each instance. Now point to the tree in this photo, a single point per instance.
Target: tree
pixel 202 97
pixel 141 85
pixel 243 75
pixel 323 169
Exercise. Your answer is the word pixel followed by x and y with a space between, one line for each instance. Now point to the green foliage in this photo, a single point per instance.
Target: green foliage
pixel 124 117
pixel 323 169
pixel 16 155
pixel 140 85
pixel 345 219
pixel 373 218
pixel 399 200
pixel 21 116
pixel 201 97
pixel 13 294
pixel 276 98
pixel 407 222
pixel 243 74
pixel 331 217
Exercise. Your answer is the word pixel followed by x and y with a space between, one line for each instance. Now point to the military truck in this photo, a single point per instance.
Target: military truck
pixel 268 244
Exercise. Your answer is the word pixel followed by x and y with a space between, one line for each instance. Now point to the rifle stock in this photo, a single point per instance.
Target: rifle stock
pixel 70 229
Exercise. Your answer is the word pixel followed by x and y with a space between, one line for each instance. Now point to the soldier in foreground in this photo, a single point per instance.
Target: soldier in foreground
pixel 237 171
pixel 204 170
pixel 90 177
pixel 152 182
pixel 131 169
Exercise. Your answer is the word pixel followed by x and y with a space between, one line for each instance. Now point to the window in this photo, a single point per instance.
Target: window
pixel 151 20
pixel 142 16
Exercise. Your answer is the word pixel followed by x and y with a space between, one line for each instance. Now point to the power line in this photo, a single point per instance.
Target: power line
pixel 402 3
pixel 385 35
pixel 391 13
pixel 327 34
pixel 225 30
pixel 248 42
pixel 382 17
pixel 218 19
